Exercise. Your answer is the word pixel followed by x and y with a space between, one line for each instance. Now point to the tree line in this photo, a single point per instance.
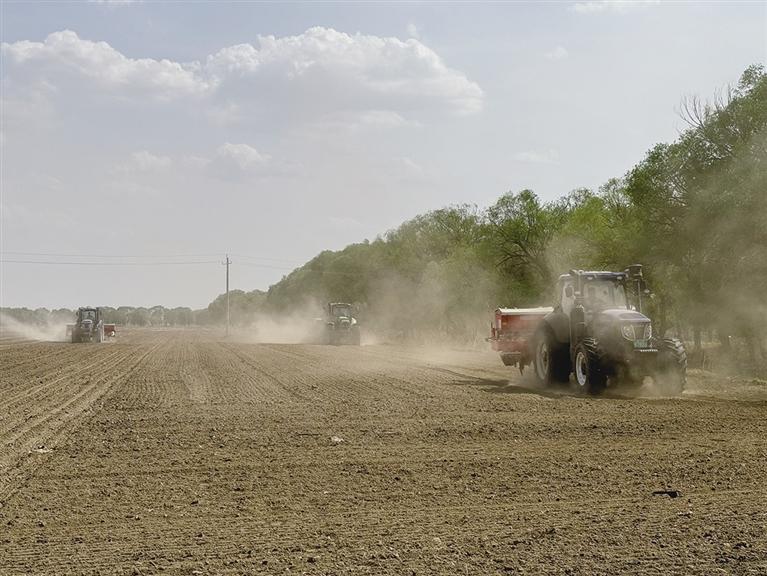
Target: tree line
pixel 243 309
pixel 123 315
pixel 693 211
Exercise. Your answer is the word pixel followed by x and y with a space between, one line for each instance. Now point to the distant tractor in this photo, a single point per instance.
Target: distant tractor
pixel 90 326
pixel 595 331
pixel 340 325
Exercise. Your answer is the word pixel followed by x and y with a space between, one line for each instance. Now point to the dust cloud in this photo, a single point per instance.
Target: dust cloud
pixel 447 308
pixel 49 332
pixel 302 325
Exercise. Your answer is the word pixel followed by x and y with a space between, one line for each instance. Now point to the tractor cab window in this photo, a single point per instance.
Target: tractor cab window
pixel 567 297
pixel 89 315
pixel 339 311
pixel 600 294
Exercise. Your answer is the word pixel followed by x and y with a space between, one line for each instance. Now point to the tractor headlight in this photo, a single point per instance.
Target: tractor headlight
pixel 628 331
pixel 647 331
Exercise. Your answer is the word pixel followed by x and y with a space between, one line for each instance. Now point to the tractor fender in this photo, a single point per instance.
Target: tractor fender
pixel 558 324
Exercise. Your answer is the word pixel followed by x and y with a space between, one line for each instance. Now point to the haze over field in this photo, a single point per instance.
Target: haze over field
pixel 176 133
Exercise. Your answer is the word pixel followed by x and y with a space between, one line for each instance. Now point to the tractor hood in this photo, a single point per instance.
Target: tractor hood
pixel 629 324
pixel 622 315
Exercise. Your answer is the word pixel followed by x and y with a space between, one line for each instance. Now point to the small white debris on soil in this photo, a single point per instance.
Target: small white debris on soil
pixel 336 439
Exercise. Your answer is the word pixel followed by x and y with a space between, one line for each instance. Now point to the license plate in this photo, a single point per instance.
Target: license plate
pixel 640 343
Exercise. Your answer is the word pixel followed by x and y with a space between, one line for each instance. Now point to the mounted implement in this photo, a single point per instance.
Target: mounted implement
pixel 511 334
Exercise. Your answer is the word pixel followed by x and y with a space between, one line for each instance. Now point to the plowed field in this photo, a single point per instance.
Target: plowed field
pixel 175 452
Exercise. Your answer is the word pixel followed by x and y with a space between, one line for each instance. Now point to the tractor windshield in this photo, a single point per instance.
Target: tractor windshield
pixel 601 294
pixel 88 314
pixel 339 311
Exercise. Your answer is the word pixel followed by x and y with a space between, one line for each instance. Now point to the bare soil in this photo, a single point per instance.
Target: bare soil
pixel 177 452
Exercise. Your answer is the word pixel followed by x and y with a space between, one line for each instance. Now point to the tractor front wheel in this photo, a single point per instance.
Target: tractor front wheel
pixel 590 377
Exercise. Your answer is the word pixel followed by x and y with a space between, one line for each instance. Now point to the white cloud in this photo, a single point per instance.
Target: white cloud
pixel 593 6
pixel 244 163
pixel 412 31
pixel 145 161
pixel 64 56
pixel 360 122
pixel 406 169
pixel 229 161
pixel 558 53
pixel 245 157
pixel 341 71
pixel 291 78
pixel 384 118
pixel 226 114
pixel 535 157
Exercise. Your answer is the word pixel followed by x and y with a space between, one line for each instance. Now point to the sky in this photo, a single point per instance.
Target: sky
pixel 141 142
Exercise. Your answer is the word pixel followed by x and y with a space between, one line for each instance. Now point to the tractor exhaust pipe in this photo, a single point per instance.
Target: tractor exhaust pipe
pixel 634 273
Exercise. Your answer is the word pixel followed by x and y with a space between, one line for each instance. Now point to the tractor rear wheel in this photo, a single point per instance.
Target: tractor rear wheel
pixel 551 361
pixel 590 377
pixel 671 374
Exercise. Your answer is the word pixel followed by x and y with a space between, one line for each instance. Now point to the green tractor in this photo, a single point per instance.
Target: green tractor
pixel 597 332
pixel 341 326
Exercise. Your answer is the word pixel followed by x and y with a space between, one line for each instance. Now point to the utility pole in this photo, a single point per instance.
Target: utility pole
pixel 227 294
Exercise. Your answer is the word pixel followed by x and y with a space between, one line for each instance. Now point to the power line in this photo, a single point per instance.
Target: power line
pixel 107 255
pixel 178 263
pixel 147 256
pixel 62 262
pixel 264 266
pixel 268 259
pixel 175 263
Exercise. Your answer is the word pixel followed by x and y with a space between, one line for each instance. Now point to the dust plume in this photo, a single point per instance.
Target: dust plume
pixel 51 331
pixel 450 304
pixel 301 325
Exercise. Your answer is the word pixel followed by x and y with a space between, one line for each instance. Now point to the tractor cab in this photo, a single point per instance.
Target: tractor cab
pixel 605 305
pixel 596 291
pixel 87 314
pixel 340 310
